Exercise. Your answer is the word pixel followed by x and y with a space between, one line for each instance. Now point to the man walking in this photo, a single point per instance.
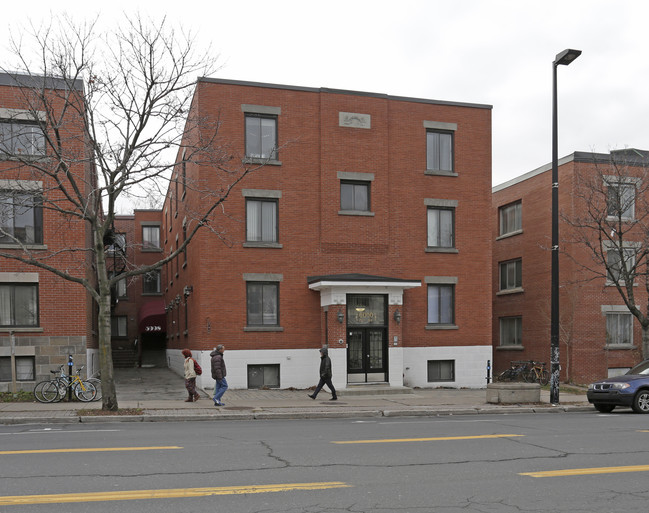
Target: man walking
pixel 218 373
pixel 325 375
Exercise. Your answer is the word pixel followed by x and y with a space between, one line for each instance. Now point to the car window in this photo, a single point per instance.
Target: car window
pixel 641 368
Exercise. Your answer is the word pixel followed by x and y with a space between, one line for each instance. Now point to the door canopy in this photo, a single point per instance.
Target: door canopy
pixel 334 288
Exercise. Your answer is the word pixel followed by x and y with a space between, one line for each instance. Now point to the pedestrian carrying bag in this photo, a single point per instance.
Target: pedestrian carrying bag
pixel 197 368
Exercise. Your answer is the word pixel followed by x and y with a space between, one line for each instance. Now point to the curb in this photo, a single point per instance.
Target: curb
pixel 283 415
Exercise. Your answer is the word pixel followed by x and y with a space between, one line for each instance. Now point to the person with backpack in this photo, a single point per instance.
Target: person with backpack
pixel 192 369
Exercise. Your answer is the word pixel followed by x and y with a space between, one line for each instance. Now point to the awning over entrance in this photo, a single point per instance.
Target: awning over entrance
pixel 333 288
pixel 152 317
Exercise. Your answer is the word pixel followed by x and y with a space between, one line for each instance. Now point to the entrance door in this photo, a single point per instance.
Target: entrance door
pixel 367 350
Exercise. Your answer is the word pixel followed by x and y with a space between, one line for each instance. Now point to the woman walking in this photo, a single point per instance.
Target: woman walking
pixel 190 376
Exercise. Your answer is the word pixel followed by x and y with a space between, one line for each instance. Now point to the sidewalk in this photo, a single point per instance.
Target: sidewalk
pixel 160 394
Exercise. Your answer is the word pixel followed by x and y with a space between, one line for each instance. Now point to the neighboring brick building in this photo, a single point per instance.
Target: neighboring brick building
pixel 365 231
pixel 44 317
pixel 598 335
pixel 138 315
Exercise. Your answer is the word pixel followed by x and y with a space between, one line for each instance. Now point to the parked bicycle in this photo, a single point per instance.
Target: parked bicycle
pixel 516 371
pixel 537 373
pixel 56 389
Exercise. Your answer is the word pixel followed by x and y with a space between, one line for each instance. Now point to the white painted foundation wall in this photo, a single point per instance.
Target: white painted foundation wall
pixel 299 368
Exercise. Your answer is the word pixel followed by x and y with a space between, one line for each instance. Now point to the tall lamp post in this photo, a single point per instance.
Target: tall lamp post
pixel 565 58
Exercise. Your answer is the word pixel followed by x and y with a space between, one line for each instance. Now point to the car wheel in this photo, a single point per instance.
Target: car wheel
pixel 604 408
pixel 641 402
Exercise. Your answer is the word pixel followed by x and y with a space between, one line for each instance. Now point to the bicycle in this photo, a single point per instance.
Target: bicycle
pixel 56 389
pixel 537 374
pixel 516 372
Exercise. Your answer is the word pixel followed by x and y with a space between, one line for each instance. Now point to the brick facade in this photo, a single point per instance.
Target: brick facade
pixel 64 322
pixel 324 255
pixel 584 299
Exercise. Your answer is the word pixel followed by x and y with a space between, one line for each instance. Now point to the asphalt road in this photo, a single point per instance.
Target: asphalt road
pixel 577 462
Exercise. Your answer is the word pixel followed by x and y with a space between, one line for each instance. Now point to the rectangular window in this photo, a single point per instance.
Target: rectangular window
pixel 151 282
pixel 620 270
pixel 21 217
pixel 21 139
pixel 511 218
pixel 441 304
pixel 118 326
pixel 184 241
pixel 619 328
pixel 263 376
pixel 620 201
pixel 439 150
pixel 18 304
pixel 261 220
pixel 261 136
pixel 511 274
pixel 511 331
pixel 441 370
pixel 263 303
pixel 441 228
pixel 151 237
pixel 25 368
pixel 355 196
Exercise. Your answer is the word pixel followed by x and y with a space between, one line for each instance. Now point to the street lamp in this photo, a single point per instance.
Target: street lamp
pixel 565 58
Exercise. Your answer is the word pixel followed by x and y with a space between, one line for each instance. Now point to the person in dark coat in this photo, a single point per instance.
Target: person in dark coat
pixel 218 373
pixel 325 375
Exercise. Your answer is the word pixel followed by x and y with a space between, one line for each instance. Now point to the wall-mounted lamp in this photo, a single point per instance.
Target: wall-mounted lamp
pixel 397 316
pixel 340 316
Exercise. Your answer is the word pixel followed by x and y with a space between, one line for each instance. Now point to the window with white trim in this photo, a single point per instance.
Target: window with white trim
pixel 620 200
pixel 619 328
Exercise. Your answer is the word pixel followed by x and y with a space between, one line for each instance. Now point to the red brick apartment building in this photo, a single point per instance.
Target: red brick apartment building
pixel 43 318
pixel 138 323
pixel 365 231
pixel 598 335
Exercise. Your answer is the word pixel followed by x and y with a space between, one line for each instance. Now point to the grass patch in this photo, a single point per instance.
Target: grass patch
pixel 120 411
pixel 21 396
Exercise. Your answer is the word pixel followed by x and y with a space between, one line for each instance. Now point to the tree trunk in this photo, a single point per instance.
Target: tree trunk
pixel 645 341
pixel 109 395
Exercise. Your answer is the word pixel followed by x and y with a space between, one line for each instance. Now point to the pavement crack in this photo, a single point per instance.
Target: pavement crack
pixel 271 454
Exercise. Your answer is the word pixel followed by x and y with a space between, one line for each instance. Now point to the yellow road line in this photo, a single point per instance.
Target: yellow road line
pixel 587 471
pixel 90 449
pixel 444 438
pixel 129 495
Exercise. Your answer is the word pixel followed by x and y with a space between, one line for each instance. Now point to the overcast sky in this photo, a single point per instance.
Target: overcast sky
pixel 495 52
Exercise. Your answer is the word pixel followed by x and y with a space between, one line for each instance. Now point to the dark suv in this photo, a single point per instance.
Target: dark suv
pixel 630 390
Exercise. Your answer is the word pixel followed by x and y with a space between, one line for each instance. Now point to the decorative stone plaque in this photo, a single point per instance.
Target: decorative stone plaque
pixel 354 120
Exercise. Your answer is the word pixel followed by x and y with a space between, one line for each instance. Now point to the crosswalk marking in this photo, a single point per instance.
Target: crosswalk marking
pixel 128 495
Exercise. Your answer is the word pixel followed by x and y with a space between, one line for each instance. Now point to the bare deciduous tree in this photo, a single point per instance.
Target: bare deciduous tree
pixel 129 91
pixel 611 221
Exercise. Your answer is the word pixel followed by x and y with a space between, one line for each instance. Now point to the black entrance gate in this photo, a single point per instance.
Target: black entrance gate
pixel 367 349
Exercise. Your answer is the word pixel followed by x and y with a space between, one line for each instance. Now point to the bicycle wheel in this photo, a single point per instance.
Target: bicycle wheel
pixel 61 385
pixel 544 377
pixel 52 392
pixel 39 392
pixel 85 391
pixel 529 376
pixel 97 383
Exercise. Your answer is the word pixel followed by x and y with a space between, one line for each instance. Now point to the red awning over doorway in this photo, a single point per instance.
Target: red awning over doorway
pixel 152 317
